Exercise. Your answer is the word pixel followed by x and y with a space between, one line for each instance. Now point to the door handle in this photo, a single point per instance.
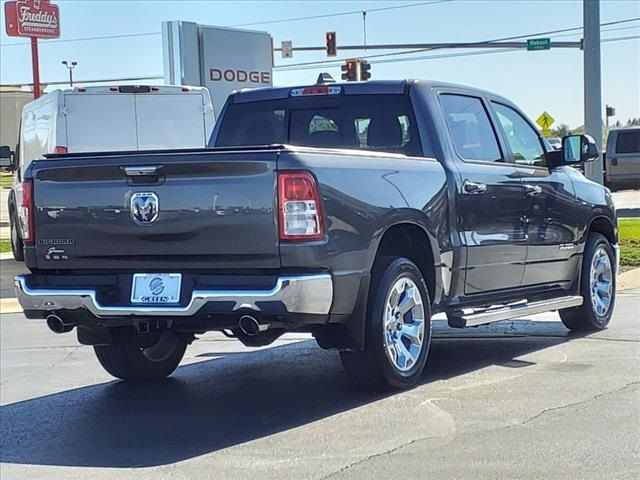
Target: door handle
pixel 532 190
pixel 614 161
pixel 473 188
pixel 143 171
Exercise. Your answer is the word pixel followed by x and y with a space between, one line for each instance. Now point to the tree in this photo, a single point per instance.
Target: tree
pixel 561 130
pixel 633 122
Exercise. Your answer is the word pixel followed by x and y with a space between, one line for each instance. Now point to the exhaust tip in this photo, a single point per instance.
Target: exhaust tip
pixel 57 325
pixel 250 326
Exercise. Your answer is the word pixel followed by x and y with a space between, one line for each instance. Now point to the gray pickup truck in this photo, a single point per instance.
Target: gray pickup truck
pixel 352 211
pixel 622 158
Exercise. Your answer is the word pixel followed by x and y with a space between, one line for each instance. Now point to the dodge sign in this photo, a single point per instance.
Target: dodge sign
pixel 32 18
pixel 218 58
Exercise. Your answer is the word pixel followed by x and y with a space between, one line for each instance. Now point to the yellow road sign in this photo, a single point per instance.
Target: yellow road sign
pixel 545 121
pixel 547 133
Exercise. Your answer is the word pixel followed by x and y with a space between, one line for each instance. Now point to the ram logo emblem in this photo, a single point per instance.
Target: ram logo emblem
pixel 145 208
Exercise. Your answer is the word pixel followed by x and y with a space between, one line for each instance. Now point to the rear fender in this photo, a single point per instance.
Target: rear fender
pixel 356 326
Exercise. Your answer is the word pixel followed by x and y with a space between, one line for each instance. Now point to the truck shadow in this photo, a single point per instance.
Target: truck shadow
pixel 227 401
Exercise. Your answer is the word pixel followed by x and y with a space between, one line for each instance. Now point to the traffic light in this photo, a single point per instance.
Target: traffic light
pixel 350 69
pixel 331 44
pixel 365 70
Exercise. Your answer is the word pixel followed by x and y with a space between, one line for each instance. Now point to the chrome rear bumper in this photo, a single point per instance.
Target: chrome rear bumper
pixel 310 294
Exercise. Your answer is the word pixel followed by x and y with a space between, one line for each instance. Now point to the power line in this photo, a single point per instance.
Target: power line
pixel 340 14
pixel 620 39
pixel 442 55
pixel 83 82
pixel 391 60
pixel 104 37
pixel 266 22
pixel 411 59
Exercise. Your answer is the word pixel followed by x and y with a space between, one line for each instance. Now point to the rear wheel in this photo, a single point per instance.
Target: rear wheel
pixel 597 287
pixel 398 328
pixel 17 247
pixel 132 357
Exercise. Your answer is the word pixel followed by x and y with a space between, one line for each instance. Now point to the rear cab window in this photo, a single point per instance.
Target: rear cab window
pixel 628 142
pixel 383 122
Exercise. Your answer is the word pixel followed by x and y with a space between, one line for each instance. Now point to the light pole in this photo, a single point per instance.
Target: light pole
pixel 70 66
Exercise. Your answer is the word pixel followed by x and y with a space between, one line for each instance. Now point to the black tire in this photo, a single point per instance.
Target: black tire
pixel 586 318
pixel 372 368
pixel 127 360
pixel 17 247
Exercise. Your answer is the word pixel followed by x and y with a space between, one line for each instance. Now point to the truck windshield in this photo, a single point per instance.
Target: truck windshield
pixel 370 122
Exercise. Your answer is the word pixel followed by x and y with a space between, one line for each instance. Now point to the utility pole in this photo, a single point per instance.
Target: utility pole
pixel 70 67
pixel 592 83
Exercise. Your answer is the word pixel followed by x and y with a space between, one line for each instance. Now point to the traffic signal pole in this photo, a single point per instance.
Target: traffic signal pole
pixel 433 46
pixel 593 84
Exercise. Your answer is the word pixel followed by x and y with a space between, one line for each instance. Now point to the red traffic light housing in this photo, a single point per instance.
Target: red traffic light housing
pixel 355 70
pixel 332 49
pixel 350 70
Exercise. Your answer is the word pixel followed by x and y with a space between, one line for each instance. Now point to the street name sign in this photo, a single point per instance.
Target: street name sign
pixel 538 44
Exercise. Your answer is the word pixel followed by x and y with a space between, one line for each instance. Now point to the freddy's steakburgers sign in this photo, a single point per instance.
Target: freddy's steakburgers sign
pixel 32 18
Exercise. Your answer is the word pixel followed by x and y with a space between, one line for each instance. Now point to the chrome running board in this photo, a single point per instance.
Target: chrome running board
pixel 516 310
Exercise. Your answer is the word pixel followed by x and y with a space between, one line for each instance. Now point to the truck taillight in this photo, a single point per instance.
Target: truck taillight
pixel 25 212
pixel 60 150
pixel 300 216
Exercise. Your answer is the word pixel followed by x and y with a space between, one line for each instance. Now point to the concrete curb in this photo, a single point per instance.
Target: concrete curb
pixel 626 281
pixel 629 279
pixel 6 256
pixel 9 305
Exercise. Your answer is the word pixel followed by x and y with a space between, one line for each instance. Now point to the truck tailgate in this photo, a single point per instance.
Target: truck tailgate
pixel 157 212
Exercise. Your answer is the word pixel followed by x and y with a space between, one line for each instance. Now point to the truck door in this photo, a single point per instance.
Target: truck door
pixel 100 123
pixel 489 199
pixel 170 121
pixel 550 212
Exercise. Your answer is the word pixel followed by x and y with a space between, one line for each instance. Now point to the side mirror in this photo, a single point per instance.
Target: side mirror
pixel 579 149
pixel 7 161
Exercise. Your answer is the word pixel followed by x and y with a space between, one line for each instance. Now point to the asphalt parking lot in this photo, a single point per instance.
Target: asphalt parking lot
pixel 513 400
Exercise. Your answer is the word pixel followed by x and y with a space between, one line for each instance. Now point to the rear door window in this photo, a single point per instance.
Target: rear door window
pixel 369 122
pixel 628 142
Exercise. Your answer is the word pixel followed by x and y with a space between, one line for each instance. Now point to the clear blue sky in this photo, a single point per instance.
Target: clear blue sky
pixel 537 81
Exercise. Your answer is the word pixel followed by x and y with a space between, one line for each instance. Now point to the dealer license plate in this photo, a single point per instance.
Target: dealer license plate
pixel 156 288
